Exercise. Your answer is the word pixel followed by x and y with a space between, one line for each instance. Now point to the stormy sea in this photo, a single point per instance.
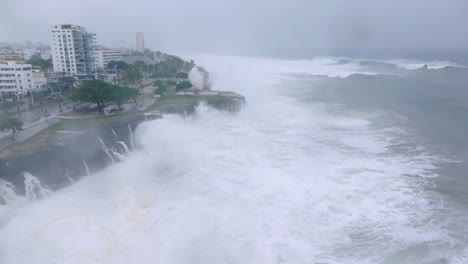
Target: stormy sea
pixel 332 160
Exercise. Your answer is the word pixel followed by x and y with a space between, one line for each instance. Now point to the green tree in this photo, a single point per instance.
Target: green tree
pixel 134 75
pixel 94 91
pixel 38 62
pixel 161 90
pixel 13 124
pixel 183 85
pixel 66 82
pixel 120 94
pixel 41 97
pixel 121 65
pixel 149 53
pixel 158 83
pixel 57 98
pixel 137 53
pixel 182 75
pixel 139 64
pixel 6 105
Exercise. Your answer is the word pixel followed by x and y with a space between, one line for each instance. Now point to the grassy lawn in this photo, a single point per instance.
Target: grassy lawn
pixel 85 123
pixel 48 134
pixel 184 100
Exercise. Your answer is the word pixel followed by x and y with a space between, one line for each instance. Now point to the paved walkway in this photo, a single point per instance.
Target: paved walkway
pixel 27 133
pixel 32 128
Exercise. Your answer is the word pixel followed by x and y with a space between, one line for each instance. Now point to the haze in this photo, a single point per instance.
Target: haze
pixel 265 27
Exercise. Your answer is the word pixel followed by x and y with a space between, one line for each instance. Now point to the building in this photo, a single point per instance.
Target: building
pixel 36 53
pixel 53 77
pixel 40 80
pixel 134 59
pixel 11 55
pixel 73 50
pixel 30 53
pixel 15 79
pixel 140 41
pixel 103 57
pixel 124 51
pixel 45 54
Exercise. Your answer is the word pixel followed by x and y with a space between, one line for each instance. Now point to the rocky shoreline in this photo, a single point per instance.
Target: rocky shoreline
pixel 71 149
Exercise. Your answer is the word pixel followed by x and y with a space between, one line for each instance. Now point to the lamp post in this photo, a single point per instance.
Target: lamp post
pixel 32 97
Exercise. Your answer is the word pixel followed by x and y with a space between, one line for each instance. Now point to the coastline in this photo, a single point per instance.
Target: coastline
pixel 56 154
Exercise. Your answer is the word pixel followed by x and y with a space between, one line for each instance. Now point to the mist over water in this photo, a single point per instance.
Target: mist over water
pixel 289 179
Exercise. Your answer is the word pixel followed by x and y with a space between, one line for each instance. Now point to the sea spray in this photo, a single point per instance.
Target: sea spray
pixel 70 179
pixel 124 146
pixel 110 158
pixel 103 145
pixel 10 200
pixel 8 193
pixel 131 137
pixel 86 168
pixel 114 134
pixel 116 154
pixel 33 187
pixel 282 181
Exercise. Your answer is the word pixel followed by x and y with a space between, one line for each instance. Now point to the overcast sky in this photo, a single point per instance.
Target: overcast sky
pixel 247 26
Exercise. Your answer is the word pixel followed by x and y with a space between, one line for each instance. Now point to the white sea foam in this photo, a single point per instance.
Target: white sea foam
pixel 280 182
pixel 415 64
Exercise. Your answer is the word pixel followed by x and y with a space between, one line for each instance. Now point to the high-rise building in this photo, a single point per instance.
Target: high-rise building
pixel 140 40
pixel 15 79
pixel 72 49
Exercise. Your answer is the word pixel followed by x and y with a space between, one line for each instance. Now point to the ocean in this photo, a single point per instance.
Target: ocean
pixel 332 160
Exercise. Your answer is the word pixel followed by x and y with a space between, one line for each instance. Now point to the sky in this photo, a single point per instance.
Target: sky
pixel 248 26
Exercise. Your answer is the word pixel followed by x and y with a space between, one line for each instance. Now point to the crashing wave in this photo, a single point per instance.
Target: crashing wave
pixel 415 65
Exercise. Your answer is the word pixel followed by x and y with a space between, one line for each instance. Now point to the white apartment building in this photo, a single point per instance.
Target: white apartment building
pixel 73 49
pixel 15 79
pixel 103 57
pixel 140 40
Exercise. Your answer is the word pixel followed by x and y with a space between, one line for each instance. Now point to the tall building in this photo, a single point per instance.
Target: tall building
pixel 103 57
pixel 15 79
pixel 72 49
pixel 140 40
